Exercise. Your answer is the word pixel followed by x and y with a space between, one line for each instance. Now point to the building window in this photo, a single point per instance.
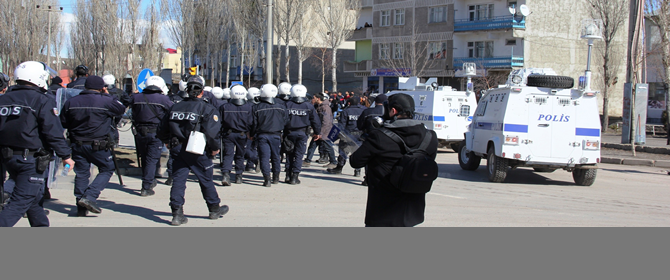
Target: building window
pixel 399 17
pixel 398 51
pixel 480 12
pixel 480 49
pixel 437 14
pixel 385 19
pixel 437 50
pixel 384 51
pixel 510 42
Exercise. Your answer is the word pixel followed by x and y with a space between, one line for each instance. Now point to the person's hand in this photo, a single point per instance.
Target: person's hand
pixel 317 137
pixel 215 152
pixel 70 162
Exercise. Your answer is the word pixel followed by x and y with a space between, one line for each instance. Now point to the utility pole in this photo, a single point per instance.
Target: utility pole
pixel 49 11
pixel 268 47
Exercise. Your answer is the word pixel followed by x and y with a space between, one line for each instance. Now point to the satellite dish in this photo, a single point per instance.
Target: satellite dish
pixel 524 10
pixel 512 10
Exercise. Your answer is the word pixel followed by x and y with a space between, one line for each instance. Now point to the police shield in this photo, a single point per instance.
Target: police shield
pixel 62 95
pixel 351 140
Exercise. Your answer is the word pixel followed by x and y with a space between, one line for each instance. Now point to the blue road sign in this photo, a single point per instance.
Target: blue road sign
pixel 142 78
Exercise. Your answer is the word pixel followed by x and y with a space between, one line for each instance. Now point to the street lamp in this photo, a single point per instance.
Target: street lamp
pixel 49 10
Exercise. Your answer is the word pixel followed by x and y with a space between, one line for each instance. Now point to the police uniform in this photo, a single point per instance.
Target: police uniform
pixel 301 115
pixel 236 121
pixel 28 123
pixel 79 83
pixel 88 117
pixel 149 108
pixel 270 119
pixel 348 118
pixel 192 114
pixel 120 95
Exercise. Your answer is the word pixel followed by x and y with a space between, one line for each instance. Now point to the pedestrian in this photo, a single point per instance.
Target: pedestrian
pixel 82 73
pixel 301 115
pixel 236 120
pixel 269 119
pixel 387 206
pixel 88 118
pixel 325 145
pixel 193 116
pixel 347 119
pixel 283 95
pixel 369 119
pixel 55 85
pixel 149 108
pixel 31 132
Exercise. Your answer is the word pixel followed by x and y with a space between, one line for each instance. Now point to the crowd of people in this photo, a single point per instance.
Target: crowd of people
pixel 250 129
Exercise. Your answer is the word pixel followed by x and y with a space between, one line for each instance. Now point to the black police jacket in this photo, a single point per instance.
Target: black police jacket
pixel 53 89
pixel 269 118
pixel 149 108
pixel 88 116
pixel 348 117
pixel 364 122
pixel 78 83
pixel 121 95
pixel 236 118
pixel 28 120
pixel 187 116
pixel 301 115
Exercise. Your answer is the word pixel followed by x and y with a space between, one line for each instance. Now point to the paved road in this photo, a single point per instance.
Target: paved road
pixel 621 196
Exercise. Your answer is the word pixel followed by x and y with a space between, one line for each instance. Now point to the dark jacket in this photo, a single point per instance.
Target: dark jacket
pixel 348 117
pixel 78 83
pixel 121 95
pixel 185 116
pixel 149 108
pixel 326 117
pixel 386 205
pixel 53 89
pixel 89 115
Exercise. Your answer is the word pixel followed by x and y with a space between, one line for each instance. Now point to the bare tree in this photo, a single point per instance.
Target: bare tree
pixel 151 50
pixel 411 53
pixel 303 37
pixel 613 14
pixel 338 19
pixel 179 20
pixel 659 13
pixel 322 58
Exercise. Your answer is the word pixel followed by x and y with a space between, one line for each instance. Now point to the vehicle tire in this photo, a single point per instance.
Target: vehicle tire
pixel 455 146
pixel 468 161
pixel 544 170
pixel 496 166
pixel 548 81
pixel 584 177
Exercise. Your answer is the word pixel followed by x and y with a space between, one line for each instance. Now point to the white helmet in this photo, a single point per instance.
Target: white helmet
pixel 33 72
pixel 158 82
pixel 217 92
pixel 284 88
pixel 253 93
pixel 207 89
pixel 182 85
pixel 226 93
pixel 109 79
pixel 298 91
pixel 238 92
pixel 269 90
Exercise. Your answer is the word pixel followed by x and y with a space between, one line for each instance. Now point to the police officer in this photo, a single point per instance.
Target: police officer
pixel 110 84
pixel 149 108
pixel 301 115
pixel 88 117
pixel 348 118
pixel 368 120
pixel 186 117
pixel 28 115
pixel 236 122
pixel 82 73
pixel 251 154
pixel 283 94
pixel 175 98
pixel 270 119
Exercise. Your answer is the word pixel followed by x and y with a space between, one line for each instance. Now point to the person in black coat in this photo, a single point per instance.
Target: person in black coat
pixel 387 206
pixel 55 85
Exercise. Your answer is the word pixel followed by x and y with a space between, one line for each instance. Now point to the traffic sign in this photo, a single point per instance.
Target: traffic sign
pixel 142 78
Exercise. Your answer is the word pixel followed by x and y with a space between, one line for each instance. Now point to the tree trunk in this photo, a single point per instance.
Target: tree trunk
pixel 299 66
pixel 228 65
pixel 605 121
pixel 333 68
pixel 277 58
pixel 287 63
pixel 323 72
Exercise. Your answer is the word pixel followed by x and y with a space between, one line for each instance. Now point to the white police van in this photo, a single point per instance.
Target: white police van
pixel 536 120
pixel 440 108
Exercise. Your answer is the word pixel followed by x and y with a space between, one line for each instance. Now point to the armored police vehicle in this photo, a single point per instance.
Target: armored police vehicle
pixel 441 108
pixel 535 120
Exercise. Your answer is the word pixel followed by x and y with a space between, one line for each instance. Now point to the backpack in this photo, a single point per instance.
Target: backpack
pixel 415 171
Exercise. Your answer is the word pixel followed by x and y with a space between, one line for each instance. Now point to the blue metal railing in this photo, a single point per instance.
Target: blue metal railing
pixel 490 62
pixel 502 22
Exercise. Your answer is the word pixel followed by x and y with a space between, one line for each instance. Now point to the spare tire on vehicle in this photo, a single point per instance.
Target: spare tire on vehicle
pixel 548 81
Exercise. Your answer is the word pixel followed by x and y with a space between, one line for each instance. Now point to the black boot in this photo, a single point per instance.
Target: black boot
pixel 226 179
pixel 357 173
pixel 47 193
pixel 250 169
pixel 238 179
pixel 147 192
pixel 90 205
pixel 216 211
pixel 267 181
pixel 275 178
pixel 306 163
pixel 178 217
pixel 365 181
pixel 336 170
pixel 288 178
pixel 169 181
pixel 294 178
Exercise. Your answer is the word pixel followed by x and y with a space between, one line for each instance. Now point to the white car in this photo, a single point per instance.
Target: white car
pixel 536 120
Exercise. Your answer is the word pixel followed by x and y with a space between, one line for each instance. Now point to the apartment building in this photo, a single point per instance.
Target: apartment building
pixel 434 38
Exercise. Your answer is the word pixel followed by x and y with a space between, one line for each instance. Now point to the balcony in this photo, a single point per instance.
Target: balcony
pixel 361 34
pixel 358 66
pixel 367 3
pixel 501 62
pixel 503 22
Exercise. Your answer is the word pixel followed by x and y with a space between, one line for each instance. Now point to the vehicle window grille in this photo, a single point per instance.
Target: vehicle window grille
pixel 540 100
pixel 465 110
pixel 564 102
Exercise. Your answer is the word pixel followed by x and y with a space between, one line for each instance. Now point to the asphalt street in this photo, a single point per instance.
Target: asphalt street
pixel 623 196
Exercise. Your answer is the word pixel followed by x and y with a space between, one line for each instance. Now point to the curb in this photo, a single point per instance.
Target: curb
pixel 636 162
pixel 642 149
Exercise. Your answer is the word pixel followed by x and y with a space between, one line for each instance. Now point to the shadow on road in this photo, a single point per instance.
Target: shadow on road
pixel 517 176
pixel 634 171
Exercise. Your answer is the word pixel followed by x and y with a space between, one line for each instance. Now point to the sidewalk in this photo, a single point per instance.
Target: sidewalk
pixel 654 152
